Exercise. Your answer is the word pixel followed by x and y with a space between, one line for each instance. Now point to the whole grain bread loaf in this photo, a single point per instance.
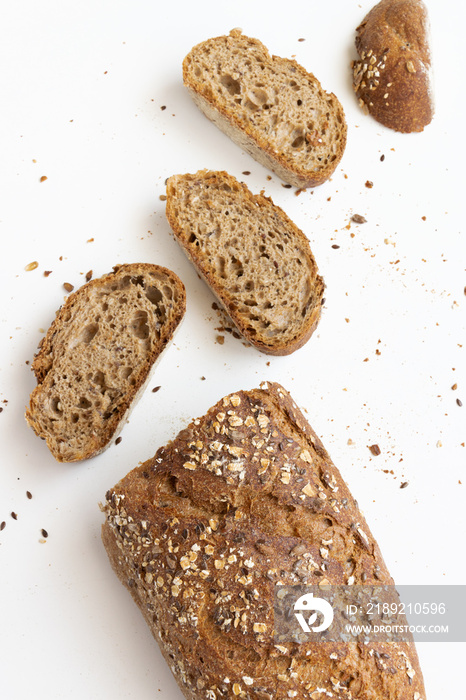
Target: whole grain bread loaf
pixel 270 106
pixel 98 355
pixel 244 501
pixel 392 77
pixel 254 258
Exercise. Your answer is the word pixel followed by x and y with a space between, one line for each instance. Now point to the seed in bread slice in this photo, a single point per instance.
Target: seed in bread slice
pixel 96 358
pixel 254 258
pixel 392 77
pixel 243 503
pixel 270 106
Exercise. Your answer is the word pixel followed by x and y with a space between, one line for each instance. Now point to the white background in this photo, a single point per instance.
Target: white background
pixel 81 90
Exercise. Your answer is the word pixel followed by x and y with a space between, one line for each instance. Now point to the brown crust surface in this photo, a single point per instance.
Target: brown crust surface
pixel 245 498
pixel 392 77
pixel 302 148
pixel 283 307
pixel 98 355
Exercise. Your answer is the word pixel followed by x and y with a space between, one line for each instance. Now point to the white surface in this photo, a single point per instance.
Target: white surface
pixel 82 86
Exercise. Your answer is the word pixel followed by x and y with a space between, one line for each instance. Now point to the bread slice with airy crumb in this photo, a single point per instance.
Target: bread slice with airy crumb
pixel 257 262
pixel 98 355
pixel 270 106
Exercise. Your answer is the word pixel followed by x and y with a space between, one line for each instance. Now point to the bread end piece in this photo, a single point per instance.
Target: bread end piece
pixel 392 77
pixel 98 356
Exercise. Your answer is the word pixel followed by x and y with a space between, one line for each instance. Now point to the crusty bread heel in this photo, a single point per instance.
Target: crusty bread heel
pixel 392 76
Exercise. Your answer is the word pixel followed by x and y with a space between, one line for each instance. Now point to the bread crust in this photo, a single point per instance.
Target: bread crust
pixel 393 76
pixel 264 145
pixel 57 342
pixel 228 300
pixel 203 533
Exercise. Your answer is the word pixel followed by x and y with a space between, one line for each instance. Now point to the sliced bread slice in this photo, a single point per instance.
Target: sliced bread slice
pixel 270 106
pixel 96 358
pixel 255 259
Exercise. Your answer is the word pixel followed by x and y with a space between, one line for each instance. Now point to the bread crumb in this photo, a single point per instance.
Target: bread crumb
pixel 375 450
pixel 68 287
pixel 31 266
pixel 43 178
